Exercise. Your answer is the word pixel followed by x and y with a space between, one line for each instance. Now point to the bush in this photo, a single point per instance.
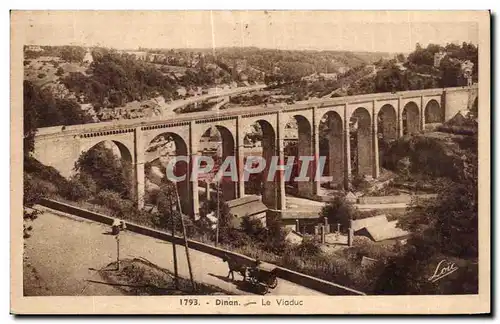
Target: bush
pixel 35 189
pixel 75 190
pixel 308 248
pixel 42 75
pixel 251 226
pixel 41 180
pixel 114 201
pixel 235 238
pixel 60 71
pixel 359 183
pixel 339 211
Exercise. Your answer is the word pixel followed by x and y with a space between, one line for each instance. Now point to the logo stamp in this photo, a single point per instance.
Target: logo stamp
pixel 443 269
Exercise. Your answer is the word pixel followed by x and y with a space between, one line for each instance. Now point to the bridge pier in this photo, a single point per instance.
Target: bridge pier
pixel 400 117
pixel 240 161
pixel 138 167
pixel 347 152
pixel 194 207
pixel 60 147
pixel 375 151
pixel 315 137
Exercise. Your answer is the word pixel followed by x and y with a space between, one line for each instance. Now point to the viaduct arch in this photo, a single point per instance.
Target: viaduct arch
pixel 386 115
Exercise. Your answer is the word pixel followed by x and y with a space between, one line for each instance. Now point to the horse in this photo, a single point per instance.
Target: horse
pixel 235 266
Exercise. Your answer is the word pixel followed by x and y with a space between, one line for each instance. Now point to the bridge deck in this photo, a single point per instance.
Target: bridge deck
pixel 234 112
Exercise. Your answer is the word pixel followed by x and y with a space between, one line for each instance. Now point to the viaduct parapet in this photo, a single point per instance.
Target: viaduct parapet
pixel 396 114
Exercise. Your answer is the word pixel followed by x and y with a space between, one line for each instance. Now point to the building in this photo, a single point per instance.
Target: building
pixel 342 69
pixel 438 57
pixel 181 92
pixel 33 48
pixel 293 237
pixel 467 67
pixel 321 76
pixel 250 206
pixel 88 59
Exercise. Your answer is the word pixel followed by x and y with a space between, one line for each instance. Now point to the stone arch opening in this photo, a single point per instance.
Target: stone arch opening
pixel 411 118
pixel 260 140
pixel 164 152
pixel 297 142
pixel 361 142
pixel 218 143
pixel 331 145
pixel 387 123
pixel 433 112
pixel 119 178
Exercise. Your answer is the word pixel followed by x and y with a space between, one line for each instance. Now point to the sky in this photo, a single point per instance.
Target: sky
pixel 381 31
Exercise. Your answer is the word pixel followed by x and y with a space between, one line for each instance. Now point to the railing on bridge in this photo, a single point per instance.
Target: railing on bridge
pixel 253 110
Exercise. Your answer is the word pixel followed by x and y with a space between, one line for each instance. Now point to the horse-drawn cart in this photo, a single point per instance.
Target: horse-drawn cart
pixel 263 277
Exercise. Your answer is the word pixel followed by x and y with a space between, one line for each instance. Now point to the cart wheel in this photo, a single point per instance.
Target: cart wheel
pixel 273 283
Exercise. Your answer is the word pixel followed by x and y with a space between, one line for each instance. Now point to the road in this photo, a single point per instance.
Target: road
pixel 169 108
pixel 65 251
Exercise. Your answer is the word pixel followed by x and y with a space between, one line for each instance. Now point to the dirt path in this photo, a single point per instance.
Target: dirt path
pixel 66 250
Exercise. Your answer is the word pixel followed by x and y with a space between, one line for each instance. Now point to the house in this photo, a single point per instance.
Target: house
pixel 342 69
pixel 250 206
pixel 293 237
pixel 33 48
pixel 438 57
pixel 303 222
pixel 88 59
pixel 466 68
pixel 382 232
pixel 291 135
pixel 378 228
pixel 181 92
pixel 366 222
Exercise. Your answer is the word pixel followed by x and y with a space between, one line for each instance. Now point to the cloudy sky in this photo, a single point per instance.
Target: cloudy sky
pixel 319 30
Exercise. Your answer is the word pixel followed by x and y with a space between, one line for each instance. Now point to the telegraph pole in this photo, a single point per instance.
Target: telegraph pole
pixel 174 250
pixel 218 215
pixel 117 237
pixel 185 239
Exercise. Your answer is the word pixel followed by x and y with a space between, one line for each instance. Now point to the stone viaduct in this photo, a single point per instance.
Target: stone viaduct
pixel 396 114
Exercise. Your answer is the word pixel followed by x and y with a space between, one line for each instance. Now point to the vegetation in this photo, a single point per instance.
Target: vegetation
pixel 339 211
pixel 43 109
pixel 101 169
pixel 139 277
pixel 443 228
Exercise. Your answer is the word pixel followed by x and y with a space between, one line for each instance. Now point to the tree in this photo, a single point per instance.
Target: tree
pixel 225 218
pixel 167 206
pixel 450 72
pixel 31 100
pixel 73 53
pixel 43 109
pixel 390 80
pixel 60 71
pixel 106 169
pixel 339 211
pixel 443 228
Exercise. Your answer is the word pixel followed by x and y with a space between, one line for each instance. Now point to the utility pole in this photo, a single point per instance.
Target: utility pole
pixel 117 237
pixel 185 239
pixel 218 215
pixel 174 250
